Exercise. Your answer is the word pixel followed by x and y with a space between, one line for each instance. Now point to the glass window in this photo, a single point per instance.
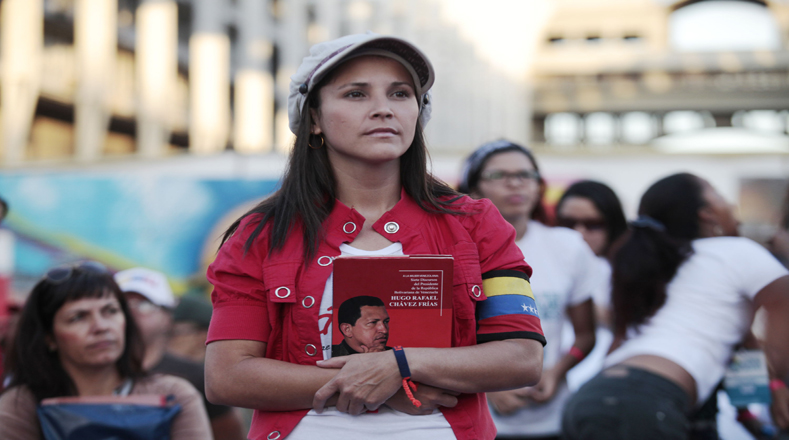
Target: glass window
pixel 563 129
pixel 638 127
pixel 724 26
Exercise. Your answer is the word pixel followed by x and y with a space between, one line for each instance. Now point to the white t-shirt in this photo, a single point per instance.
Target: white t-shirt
pixel 386 424
pixel 708 309
pixel 565 274
pixel 593 362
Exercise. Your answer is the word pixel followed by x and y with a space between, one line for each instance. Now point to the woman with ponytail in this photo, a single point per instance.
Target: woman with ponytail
pixel 685 289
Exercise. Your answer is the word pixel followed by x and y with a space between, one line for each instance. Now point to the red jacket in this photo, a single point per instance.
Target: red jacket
pixel 276 299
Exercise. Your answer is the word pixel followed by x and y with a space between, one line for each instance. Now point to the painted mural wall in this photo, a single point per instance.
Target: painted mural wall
pixel 170 224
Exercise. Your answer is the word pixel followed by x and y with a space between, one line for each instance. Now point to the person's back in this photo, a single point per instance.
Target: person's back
pixel 708 309
pixel 684 292
pixel 152 304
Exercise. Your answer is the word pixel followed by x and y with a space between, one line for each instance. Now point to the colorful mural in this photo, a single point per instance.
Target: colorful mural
pixel 163 223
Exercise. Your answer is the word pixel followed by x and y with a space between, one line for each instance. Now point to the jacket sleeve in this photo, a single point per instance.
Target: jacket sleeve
pixel 239 295
pixel 509 310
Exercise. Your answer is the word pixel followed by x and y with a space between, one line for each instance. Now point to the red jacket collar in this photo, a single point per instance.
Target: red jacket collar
pixel 344 223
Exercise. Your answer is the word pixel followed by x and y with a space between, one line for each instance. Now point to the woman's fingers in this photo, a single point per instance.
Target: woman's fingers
pixel 435 397
pixel 431 398
pixel 335 362
pixel 356 407
pixel 446 400
pixel 780 407
pixel 505 402
pixel 324 394
pixel 523 393
pixel 364 382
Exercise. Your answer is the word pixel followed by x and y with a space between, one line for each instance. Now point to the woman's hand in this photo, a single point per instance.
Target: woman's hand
pixel 431 397
pixel 364 382
pixel 507 402
pixel 546 388
pixel 780 407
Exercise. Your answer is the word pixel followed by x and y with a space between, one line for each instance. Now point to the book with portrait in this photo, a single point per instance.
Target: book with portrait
pixel 382 302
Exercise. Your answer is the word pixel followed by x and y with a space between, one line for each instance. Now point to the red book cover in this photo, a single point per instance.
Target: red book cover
pixel 382 302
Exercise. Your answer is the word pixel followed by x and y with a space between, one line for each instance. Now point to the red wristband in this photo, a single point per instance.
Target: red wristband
pixel 577 353
pixel 744 415
pixel 777 384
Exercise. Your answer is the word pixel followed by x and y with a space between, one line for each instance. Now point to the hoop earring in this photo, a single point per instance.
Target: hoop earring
pixel 309 143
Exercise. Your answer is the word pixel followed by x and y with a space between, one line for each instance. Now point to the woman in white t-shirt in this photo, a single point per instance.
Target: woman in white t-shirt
pixel 565 276
pixel 684 292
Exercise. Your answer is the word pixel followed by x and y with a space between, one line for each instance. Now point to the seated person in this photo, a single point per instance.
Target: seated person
pixel 152 302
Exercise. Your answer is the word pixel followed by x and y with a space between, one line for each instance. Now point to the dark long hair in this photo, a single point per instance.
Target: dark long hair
pixel 475 163
pixel 785 210
pixel 605 200
pixel 308 191
pixel 30 362
pixel 648 256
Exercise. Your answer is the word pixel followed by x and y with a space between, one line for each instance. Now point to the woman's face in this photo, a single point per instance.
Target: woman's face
pixel 580 213
pixel 510 181
pixel 368 112
pixel 718 214
pixel 89 332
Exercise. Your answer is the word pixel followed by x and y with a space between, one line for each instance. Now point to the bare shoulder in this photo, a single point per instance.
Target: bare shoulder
pixel 16 397
pixel 18 417
pixel 165 384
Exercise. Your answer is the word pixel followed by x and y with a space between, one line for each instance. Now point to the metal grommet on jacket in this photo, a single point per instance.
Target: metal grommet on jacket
pixel 325 260
pixel 349 228
pixel 311 350
pixel 273 435
pixel 391 227
pixel 287 292
pixel 476 291
pixel 311 302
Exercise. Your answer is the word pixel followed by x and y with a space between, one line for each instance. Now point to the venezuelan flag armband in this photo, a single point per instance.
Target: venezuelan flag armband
pixel 509 312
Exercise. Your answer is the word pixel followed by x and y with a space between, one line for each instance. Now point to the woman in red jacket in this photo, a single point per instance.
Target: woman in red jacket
pixel 357 183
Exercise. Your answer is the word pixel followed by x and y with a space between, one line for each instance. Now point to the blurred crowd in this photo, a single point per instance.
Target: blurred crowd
pixel 665 324
pixel 83 330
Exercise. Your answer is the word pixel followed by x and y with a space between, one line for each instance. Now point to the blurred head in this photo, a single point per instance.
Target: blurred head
pixel 594 210
pixel 150 299
pixel 364 323
pixel 75 318
pixel 674 211
pixel 689 208
pixel 508 175
pixel 192 317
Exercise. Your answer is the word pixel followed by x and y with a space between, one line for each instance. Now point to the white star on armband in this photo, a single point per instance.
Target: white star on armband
pixel 525 308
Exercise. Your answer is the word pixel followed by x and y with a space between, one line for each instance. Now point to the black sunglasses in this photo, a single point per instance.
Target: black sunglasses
pixel 62 273
pixel 588 224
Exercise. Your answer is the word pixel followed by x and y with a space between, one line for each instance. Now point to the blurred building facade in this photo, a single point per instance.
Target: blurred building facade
pixel 90 90
pixel 674 75
pixel 84 80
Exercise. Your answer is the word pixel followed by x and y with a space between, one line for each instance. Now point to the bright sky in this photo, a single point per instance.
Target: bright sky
pixel 504 31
